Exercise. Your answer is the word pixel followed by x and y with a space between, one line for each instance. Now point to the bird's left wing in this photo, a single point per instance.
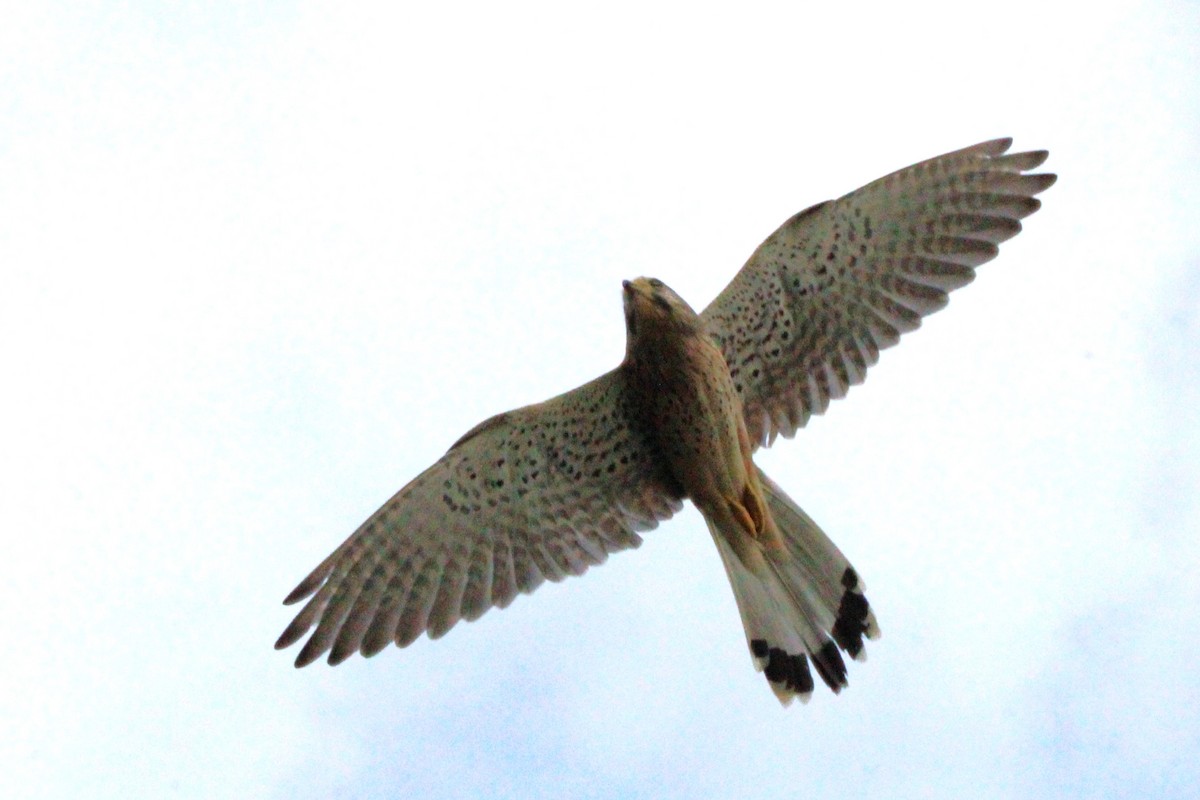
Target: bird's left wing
pixel 541 492
pixel 810 311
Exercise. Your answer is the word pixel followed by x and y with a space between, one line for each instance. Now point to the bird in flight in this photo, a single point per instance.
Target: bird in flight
pixel 548 490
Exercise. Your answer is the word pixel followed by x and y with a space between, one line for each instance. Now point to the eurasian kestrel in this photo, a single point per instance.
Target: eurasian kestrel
pixel 548 490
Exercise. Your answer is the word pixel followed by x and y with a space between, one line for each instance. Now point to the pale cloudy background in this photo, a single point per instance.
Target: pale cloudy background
pixel 262 263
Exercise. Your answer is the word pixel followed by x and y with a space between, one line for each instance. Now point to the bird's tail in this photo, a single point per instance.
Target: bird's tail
pixel 806 603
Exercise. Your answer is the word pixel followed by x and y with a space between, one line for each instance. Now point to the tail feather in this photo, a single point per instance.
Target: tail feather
pixel 818 565
pixel 806 604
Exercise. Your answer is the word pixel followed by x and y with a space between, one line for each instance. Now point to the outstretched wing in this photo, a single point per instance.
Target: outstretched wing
pixel 810 311
pixel 541 492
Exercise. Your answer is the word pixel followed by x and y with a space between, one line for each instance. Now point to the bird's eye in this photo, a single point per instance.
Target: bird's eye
pixel 656 283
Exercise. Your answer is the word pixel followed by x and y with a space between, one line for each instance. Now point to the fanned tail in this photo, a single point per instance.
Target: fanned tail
pixel 804 605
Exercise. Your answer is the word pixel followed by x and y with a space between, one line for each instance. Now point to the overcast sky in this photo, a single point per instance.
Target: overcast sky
pixel 261 263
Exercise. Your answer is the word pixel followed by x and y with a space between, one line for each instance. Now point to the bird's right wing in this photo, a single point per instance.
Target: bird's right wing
pixel 541 492
pixel 810 311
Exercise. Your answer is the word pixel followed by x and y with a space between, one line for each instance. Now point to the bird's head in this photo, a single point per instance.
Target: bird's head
pixel 652 310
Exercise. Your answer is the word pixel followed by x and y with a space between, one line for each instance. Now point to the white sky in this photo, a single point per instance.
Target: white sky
pixel 262 263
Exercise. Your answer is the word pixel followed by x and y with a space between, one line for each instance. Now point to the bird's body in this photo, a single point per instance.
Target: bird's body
pixel 548 490
pixel 693 414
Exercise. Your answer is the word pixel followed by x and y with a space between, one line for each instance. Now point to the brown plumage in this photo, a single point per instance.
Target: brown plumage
pixel 693 414
pixel 550 489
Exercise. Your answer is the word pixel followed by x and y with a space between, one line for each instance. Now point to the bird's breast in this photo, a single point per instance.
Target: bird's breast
pixel 691 408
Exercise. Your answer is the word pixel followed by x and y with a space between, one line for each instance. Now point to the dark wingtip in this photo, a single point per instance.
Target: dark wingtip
pixel 291 635
pixel 371 647
pixel 310 653
pixel 302 591
pixel 338 656
pixel 1043 181
pixel 1038 157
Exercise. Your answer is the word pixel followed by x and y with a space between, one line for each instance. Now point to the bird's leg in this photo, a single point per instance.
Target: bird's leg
pixel 749 526
pixel 753 503
pixel 755 508
pixel 743 516
pixel 762 524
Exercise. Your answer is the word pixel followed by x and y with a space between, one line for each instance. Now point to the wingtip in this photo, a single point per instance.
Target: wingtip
pixel 290 636
pixel 310 653
pixel 338 656
pixel 303 660
pixel 1038 157
pixel 313 580
pixel 299 593
pixel 1000 145
pixel 1037 183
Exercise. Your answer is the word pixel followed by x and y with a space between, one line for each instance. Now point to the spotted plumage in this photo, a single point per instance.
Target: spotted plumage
pixel 548 490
